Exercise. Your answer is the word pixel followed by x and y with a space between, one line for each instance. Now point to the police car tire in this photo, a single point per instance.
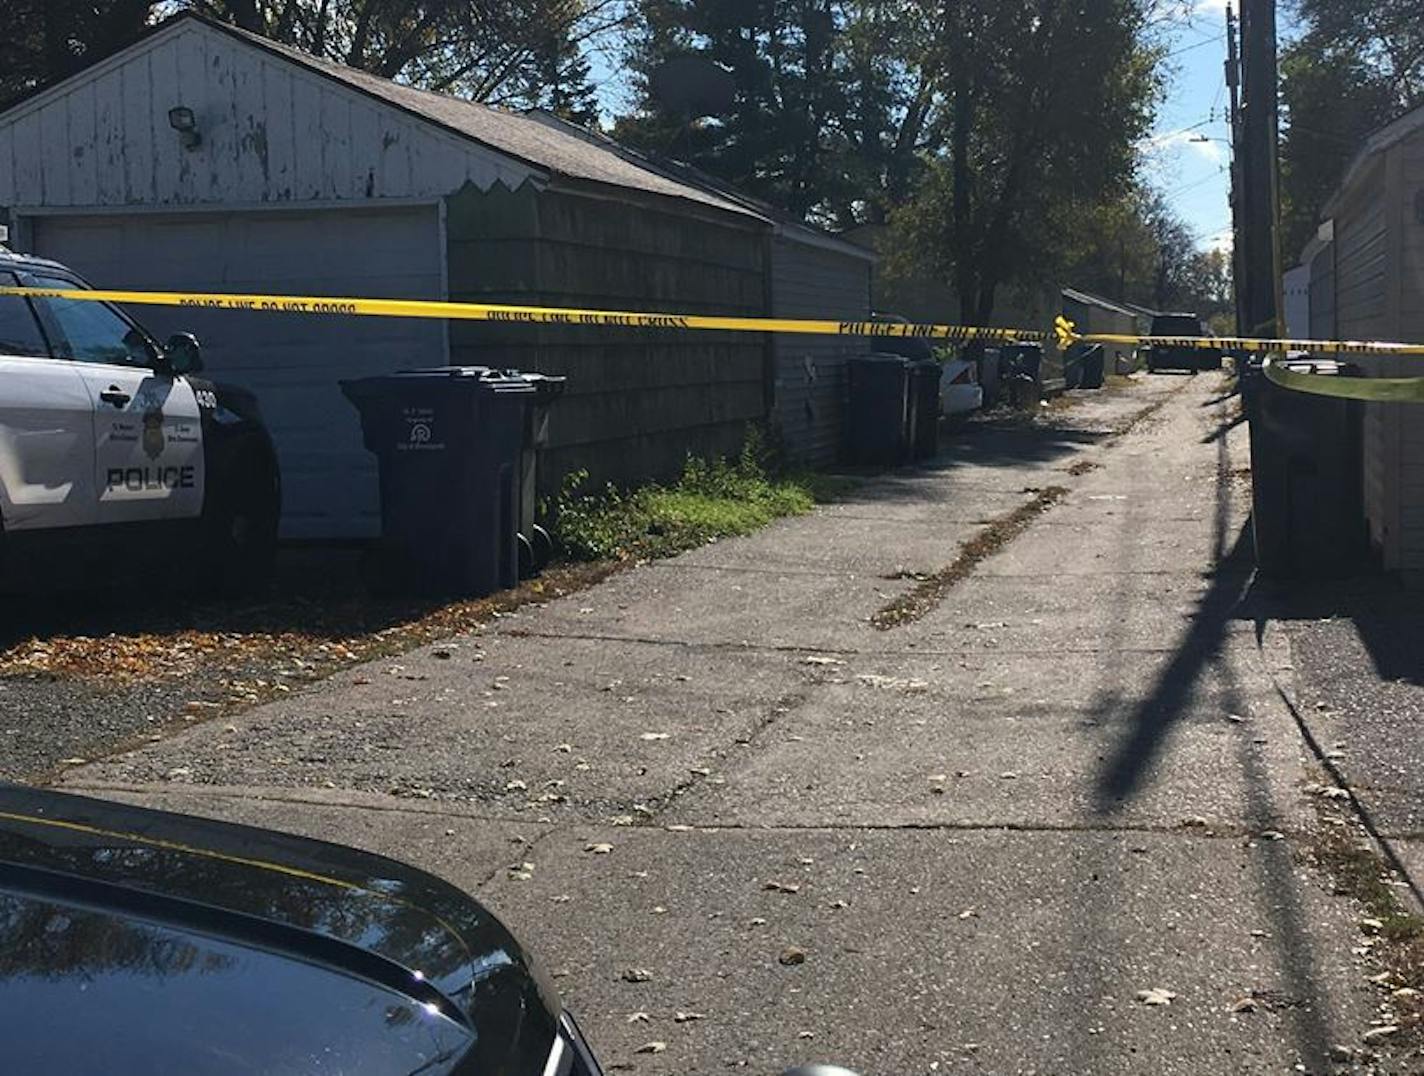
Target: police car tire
pixel 240 531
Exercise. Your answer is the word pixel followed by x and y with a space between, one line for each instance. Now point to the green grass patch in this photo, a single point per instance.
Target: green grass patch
pixel 712 499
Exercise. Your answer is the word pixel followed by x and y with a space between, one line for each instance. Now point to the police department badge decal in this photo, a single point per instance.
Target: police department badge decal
pixel 153 433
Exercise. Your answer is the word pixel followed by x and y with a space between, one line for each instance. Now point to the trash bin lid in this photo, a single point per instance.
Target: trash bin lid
pixel 438 378
pixel 1324 367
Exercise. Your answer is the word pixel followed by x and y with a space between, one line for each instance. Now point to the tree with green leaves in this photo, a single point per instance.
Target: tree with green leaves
pixel 522 52
pixel 1356 67
pixel 46 40
pixel 979 127
pixel 1044 108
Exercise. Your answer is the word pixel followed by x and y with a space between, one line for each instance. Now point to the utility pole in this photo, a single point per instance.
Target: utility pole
pixel 1261 259
pixel 1238 240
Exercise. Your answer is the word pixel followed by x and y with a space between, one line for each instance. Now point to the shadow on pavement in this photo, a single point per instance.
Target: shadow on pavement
pixel 316 591
pixel 1149 726
pixel 1388 620
pixel 1152 719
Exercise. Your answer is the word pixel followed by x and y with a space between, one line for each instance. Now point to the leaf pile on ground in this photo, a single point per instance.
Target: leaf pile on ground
pixel 250 648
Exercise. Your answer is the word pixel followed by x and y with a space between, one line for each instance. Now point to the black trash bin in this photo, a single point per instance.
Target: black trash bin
pixel 1093 366
pixel 1023 369
pixel 990 365
pixel 925 376
pixel 1307 493
pixel 535 545
pixel 1073 366
pixel 449 444
pixel 877 410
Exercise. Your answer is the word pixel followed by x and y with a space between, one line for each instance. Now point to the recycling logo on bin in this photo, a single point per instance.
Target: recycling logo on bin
pixel 419 431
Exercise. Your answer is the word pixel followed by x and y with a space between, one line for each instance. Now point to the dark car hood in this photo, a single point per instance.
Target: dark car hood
pixel 270 908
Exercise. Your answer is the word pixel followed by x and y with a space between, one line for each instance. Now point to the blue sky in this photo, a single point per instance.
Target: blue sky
pixel 1192 173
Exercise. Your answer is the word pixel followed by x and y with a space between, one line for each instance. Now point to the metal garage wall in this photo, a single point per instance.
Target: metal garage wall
pixel 810 379
pixel 292 362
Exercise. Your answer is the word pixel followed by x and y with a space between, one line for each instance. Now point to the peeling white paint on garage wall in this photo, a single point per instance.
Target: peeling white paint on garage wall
pixel 271 132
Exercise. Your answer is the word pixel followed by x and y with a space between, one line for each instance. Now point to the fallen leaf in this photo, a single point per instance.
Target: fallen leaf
pixel 651 1048
pixel 687 1017
pixel 1273 835
pixel 791 956
pixel 653 736
pixel 1246 1004
pixel 621 820
pixel 757 922
pixel 639 1018
pixel 637 975
pixel 1009 776
pixel 969 913
pixel 1156 996
pixel 782 887
pixel 599 849
pixel 806 1035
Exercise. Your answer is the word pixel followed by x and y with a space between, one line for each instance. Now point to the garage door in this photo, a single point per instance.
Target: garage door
pixel 292 361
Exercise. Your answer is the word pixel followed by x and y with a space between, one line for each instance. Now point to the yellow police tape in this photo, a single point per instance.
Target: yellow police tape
pixel 1064 332
pixel 539 315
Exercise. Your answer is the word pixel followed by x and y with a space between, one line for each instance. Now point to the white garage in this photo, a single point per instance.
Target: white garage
pixel 292 362
pixel 206 158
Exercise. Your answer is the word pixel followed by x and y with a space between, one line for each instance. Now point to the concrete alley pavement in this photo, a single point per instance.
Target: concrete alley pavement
pixel 1056 825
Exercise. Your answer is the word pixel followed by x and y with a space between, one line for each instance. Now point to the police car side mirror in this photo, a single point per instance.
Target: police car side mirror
pixel 183 353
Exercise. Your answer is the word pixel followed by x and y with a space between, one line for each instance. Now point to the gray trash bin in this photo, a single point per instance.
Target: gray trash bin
pixel 1307 496
pixel 877 410
pixel 448 442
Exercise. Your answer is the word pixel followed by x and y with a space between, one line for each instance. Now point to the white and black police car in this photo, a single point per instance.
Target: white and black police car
pixel 115 455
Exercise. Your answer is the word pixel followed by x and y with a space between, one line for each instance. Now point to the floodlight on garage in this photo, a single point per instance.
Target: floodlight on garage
pixel 182 120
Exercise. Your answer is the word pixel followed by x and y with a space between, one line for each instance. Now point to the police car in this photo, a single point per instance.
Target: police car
pixel 114 454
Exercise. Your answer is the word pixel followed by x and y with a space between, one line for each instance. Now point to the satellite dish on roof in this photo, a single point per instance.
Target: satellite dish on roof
pixel 693 86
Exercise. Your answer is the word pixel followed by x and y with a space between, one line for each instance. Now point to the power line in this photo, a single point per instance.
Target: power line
pixel 1196 45
pixel 1194 185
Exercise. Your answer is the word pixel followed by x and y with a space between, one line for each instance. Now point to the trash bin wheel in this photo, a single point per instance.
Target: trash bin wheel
pixel 527 566
pixel 543 547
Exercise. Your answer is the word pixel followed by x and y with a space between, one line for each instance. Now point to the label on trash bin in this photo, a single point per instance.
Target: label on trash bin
pixel 419 431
